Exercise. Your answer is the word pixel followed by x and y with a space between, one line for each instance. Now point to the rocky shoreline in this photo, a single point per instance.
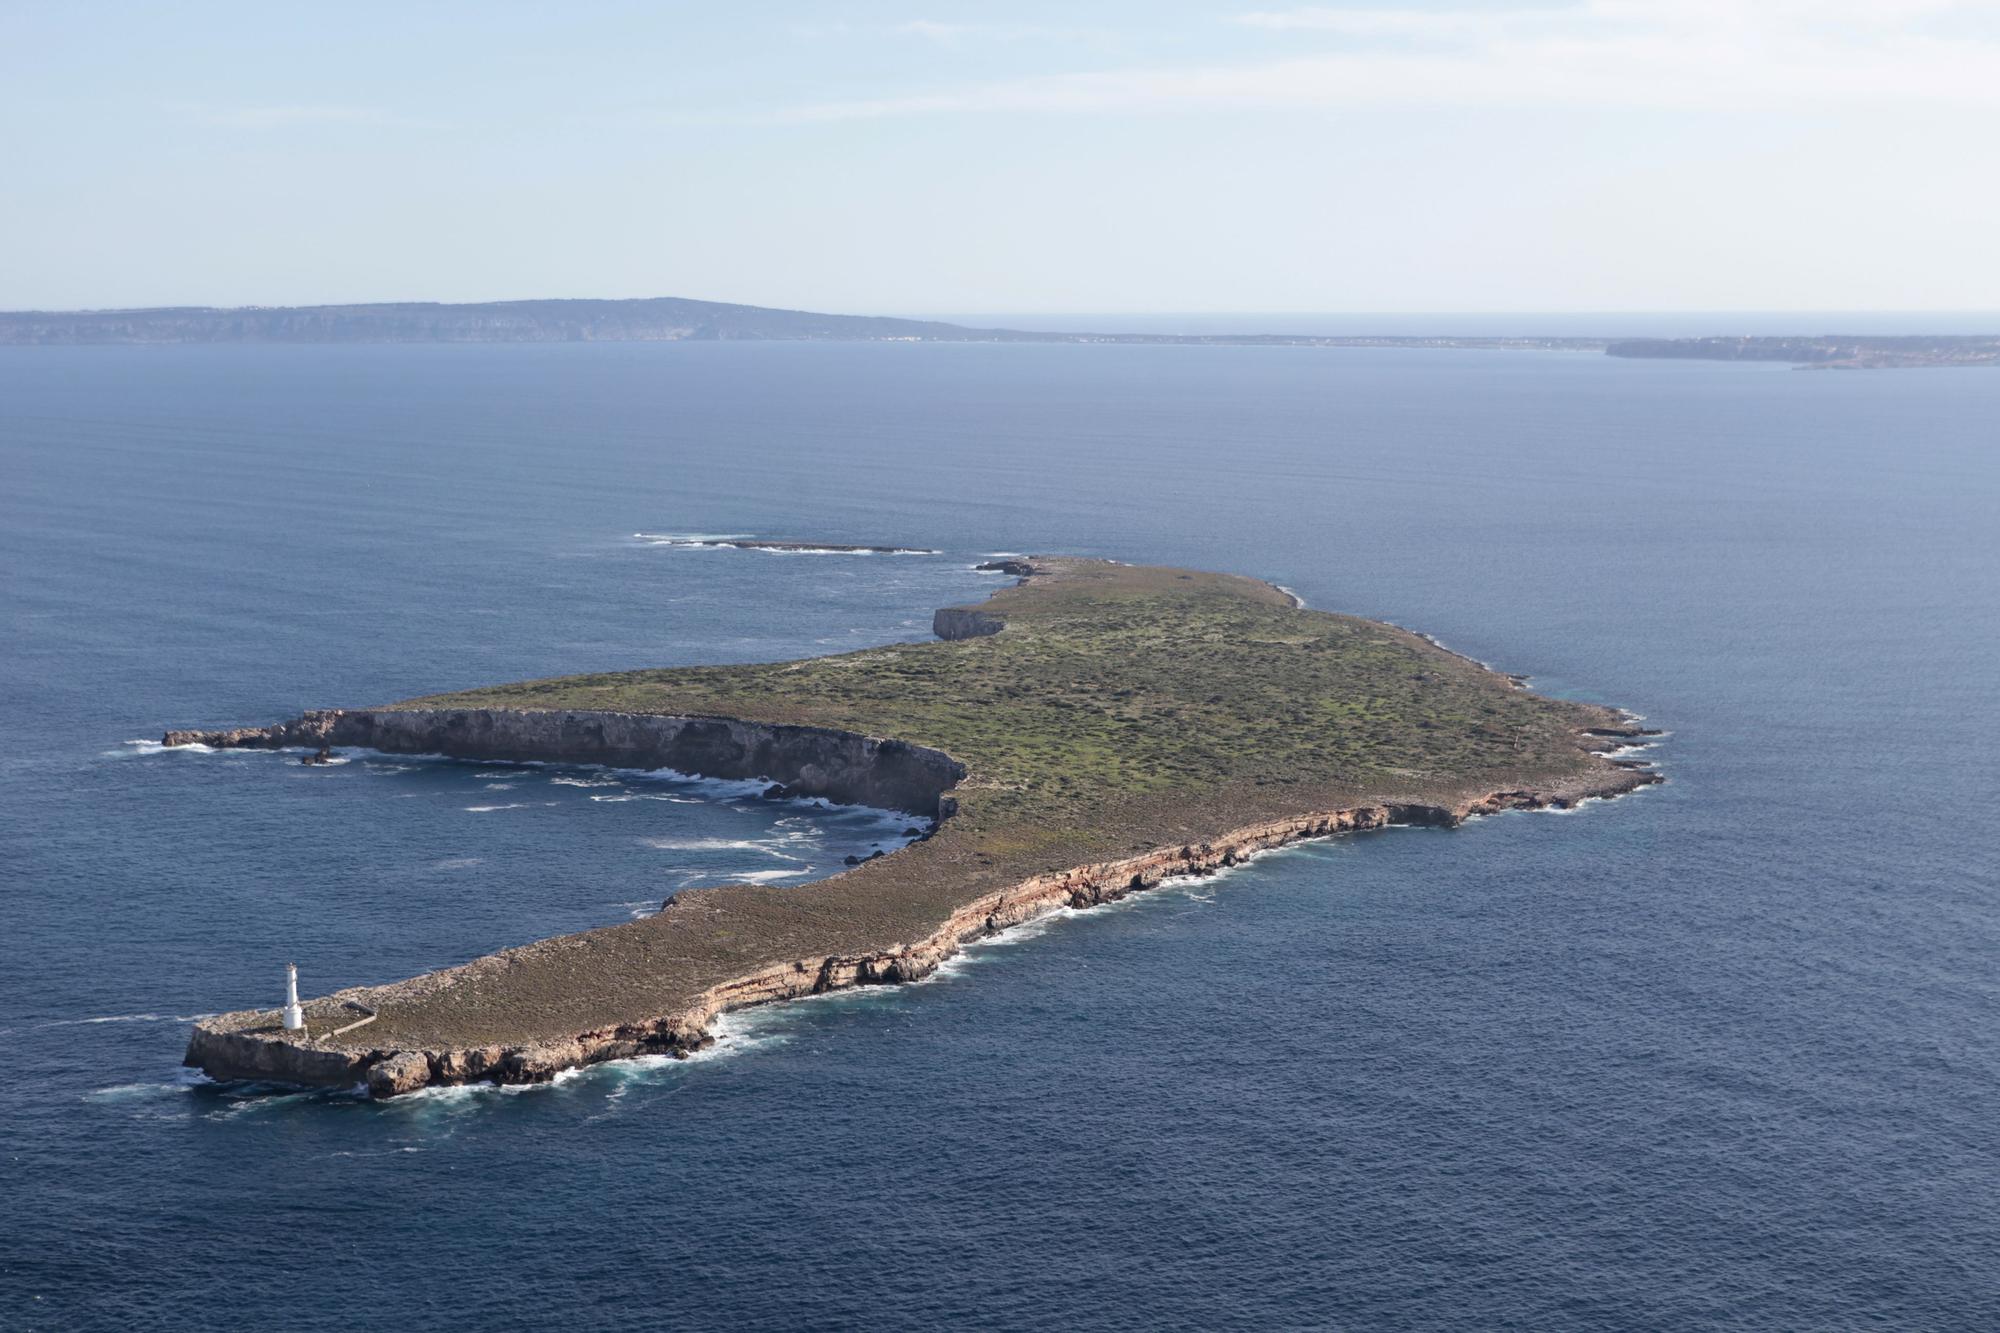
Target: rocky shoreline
pixel 1200 690
pixel 248 1046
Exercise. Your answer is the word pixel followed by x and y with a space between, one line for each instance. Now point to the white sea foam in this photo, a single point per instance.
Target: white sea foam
pixel 182 1081
pixel 744 541
pixel 839 550
pixel 119 1018
pixel 1196 889
pixel 744 1030
pixel 742 877
pixel 457 862
pixel 257 1099
pixel 621 797
pixel 856 821
pixel 716 845
pixel 460 1095
pixel 1578 808
pixel 734 1034
pixel 691 538
pixel 142 748
pixel 1574 809
pixel 510 805
pixel 603 781
pixel 711 790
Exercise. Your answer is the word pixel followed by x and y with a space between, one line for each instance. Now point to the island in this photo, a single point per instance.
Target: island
pixel 1090 730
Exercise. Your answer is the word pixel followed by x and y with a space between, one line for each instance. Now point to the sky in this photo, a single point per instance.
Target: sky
pixel 1151 156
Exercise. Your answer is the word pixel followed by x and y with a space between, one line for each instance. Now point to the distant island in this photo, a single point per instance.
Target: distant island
pixel 675 319
pixel 1831 351
pixel 1087 732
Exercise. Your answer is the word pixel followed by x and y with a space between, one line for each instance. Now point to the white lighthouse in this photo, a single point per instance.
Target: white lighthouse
pixel 295 1017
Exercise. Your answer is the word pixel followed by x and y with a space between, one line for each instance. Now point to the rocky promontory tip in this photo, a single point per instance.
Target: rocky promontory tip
pixel 1129 725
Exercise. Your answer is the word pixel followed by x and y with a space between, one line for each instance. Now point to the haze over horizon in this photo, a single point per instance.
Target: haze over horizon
pixel 1178 158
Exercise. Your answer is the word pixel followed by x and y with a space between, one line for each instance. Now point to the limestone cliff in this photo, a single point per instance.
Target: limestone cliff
pixel 244 1046
pixel 810 761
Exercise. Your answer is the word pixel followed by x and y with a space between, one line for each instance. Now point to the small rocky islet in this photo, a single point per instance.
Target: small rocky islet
pixel 1085 733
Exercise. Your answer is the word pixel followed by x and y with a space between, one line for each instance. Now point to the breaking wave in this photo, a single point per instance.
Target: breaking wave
pixel 717 845
pixel 738 541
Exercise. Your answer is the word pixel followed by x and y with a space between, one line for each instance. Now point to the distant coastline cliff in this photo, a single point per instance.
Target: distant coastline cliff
pixel 675 319
pixel 653 319
pixel 1830 351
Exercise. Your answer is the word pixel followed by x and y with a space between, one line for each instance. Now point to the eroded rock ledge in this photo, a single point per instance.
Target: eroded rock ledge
pixel 841 766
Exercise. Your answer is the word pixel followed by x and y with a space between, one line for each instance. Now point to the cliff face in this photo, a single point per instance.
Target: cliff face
pixel 965 622
pixel 841 766
pixel 243 1046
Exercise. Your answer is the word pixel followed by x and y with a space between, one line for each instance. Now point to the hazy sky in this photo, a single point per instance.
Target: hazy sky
pixel 1146 156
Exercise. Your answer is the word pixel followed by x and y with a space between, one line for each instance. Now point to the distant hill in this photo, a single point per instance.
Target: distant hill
pixel 659 319
pixel 655 319
pixel 674 319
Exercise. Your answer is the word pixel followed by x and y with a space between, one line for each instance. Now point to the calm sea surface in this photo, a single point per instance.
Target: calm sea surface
pixel 1722 1055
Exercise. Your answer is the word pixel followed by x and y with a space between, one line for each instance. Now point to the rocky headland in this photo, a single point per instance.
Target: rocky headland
pixel 1085 734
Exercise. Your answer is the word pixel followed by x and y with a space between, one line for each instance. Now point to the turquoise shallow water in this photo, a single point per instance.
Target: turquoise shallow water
pixel 1722 1055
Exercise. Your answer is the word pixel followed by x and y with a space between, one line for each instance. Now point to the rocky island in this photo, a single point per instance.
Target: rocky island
pixel 1087 732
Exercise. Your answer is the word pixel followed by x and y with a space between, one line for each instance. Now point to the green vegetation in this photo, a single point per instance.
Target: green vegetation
pixel 1113 683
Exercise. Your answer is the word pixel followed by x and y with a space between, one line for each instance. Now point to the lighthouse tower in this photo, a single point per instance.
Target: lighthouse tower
pixel 295 1017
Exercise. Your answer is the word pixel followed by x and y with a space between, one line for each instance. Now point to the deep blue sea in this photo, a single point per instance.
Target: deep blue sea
pixel 1722 1055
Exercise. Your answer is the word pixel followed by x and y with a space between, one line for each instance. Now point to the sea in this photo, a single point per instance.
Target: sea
pixel 1724 1054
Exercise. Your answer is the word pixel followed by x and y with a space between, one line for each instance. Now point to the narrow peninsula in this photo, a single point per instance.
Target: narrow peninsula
pixel 1088 731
